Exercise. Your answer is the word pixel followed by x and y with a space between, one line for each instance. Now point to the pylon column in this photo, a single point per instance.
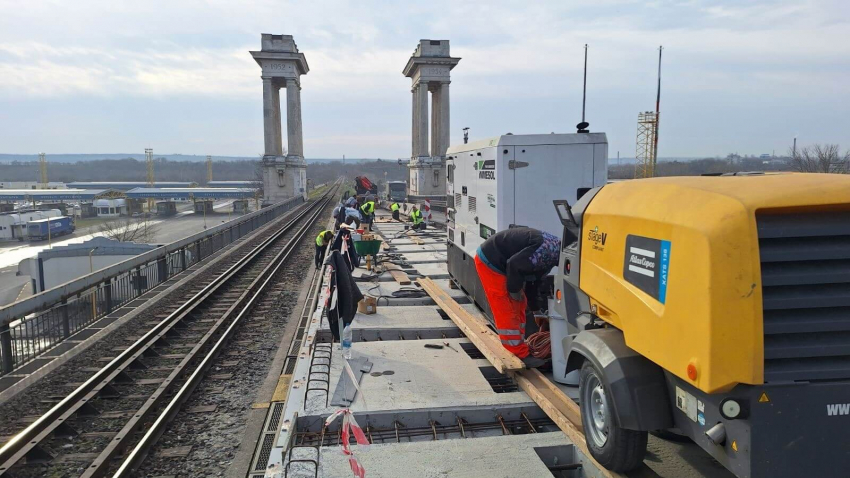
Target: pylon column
pixel 429 68
pixel 282 66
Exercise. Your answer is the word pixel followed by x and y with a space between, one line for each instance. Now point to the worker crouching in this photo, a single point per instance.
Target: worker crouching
pixel 322 241
pixel 505 262
pixel 416 218
pixel 368 212
pixel 394 207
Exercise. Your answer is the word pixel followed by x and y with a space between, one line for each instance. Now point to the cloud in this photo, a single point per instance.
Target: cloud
pixel 724 55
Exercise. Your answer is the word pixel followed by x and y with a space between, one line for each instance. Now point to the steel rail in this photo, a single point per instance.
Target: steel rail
pixel 256 289
pixel 25 441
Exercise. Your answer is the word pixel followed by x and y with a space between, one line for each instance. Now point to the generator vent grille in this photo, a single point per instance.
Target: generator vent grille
pixel 805 275
pixel 472 204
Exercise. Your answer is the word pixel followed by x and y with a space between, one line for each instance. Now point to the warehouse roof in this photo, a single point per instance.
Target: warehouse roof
pixel 98 246
pixel 190 193
pixel 127 185
pixel 54 194
pixel 232 184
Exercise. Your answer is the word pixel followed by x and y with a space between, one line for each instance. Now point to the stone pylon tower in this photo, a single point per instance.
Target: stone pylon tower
pixel 429 68
pixel 282 66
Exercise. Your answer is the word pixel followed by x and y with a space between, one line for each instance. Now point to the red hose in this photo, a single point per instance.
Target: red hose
pixel 539 344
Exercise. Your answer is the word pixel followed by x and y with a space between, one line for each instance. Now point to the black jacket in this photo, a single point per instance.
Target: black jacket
pixel 510 251
pixel 348 294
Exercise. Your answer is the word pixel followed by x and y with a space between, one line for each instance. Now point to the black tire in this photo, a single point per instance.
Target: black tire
pixel 623 450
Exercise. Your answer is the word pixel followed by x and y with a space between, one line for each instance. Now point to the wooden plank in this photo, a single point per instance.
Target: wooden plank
pixel 475 329
pixel 399 275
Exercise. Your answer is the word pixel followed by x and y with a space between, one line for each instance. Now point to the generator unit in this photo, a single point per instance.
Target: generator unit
pixel 511 180
pixel 718 307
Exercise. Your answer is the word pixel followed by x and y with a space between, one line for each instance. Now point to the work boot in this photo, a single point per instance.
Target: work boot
pixel 533 362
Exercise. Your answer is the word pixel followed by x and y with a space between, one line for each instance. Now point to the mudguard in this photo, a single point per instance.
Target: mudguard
pixel 639 392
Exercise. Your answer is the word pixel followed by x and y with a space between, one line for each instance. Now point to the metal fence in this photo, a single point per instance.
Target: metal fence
pixel 36 324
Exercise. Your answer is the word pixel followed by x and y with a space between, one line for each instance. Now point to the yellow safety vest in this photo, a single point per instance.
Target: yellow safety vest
pixel 394 207
pixel 320 239
pixel 368 208
pixel 416 216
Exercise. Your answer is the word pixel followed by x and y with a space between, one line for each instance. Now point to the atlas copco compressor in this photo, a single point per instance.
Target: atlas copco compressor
pixel 714 307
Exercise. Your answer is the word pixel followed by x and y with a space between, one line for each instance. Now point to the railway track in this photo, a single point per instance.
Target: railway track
pixel 108 423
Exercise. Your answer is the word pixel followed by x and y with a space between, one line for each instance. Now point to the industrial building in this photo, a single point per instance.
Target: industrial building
pixel 13 225
pixel 128 185
pixel 232 184
pixel 110 207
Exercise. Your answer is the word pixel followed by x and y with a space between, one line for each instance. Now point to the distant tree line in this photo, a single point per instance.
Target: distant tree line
pixel 815 158
pixel 128 170
pixel 701 166
pixel 374 170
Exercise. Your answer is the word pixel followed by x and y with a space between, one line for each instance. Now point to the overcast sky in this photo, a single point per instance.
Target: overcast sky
pixel 95 76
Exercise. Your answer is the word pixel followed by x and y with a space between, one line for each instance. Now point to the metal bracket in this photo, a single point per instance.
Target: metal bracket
pixel 514 164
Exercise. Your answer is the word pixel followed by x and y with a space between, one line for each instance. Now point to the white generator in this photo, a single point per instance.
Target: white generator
pixel 511 180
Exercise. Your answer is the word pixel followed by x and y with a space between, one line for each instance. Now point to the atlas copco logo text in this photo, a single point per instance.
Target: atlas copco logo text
pixel 836 409
pixel 486 169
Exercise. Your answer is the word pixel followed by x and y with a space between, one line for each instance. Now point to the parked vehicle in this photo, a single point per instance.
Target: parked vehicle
pixel 38 230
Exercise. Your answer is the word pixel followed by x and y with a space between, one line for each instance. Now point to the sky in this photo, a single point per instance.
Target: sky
pixel 745 76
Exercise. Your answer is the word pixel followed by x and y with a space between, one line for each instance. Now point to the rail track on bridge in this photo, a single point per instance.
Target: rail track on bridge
pixel 107 424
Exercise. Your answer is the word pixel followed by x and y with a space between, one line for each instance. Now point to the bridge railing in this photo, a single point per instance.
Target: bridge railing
pixel 40 323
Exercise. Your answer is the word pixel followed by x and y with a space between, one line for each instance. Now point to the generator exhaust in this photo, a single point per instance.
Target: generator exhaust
pixel 582 127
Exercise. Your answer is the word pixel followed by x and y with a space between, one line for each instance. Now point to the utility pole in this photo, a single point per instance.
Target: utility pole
pixel 466 135
pixel 42 169
pixel 149 162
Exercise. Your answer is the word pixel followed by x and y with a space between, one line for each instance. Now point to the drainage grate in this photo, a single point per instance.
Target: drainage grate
pixel 265 452
pixel 472 350
pixel 277 409
pixel 498 382
pixel 289 368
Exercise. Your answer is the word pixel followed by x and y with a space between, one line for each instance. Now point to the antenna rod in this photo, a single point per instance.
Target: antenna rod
pixel 657 114
pixel 584 86
pixel 658 96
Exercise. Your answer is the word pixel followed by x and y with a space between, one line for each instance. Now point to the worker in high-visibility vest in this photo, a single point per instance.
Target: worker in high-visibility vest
pixel 416 217
pixel 394 207
pixel 322 241
pixel 368 211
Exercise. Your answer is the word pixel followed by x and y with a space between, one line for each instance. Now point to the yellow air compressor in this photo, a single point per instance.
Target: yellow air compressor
pixel 715 307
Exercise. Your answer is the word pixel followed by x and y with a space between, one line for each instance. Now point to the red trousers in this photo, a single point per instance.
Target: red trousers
pixel 508 314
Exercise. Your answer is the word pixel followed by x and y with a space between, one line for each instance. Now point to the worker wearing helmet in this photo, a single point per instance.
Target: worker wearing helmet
pixel 505 262
pixel 416 218
pixel 394 207
pixel 322 241
pixel 368 211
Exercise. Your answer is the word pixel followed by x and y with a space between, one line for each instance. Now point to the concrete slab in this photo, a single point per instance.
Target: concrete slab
pixel 421 378
pixel 425 257
pixel 401 317
pixel 433 270
pixel 384 290
pixel 505 456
